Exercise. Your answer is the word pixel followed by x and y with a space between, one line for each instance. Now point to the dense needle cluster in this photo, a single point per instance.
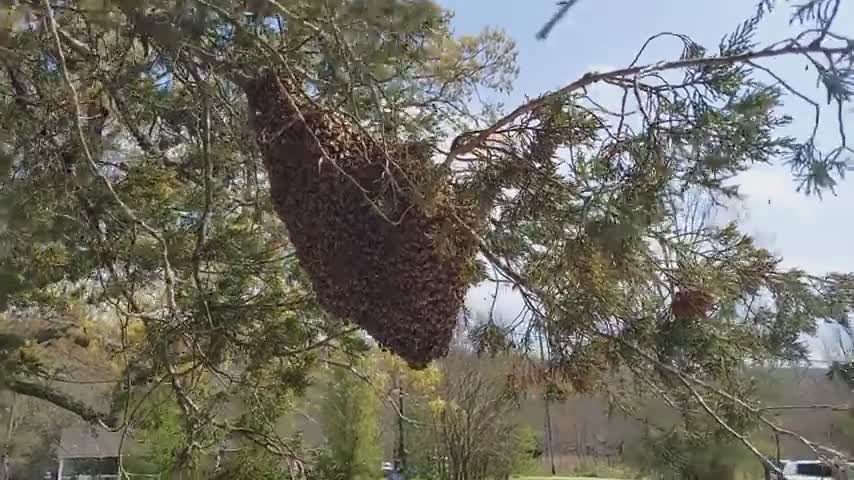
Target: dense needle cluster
pixel 375 255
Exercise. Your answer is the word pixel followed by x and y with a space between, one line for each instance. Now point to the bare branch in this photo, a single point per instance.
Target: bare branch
pixel 833 408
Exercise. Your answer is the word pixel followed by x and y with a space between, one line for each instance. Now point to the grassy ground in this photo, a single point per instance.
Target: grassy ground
pixel 561 478
pixel 583 471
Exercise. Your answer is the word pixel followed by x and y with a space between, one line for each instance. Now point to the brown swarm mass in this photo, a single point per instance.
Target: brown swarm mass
pixel 401 275
pixel 690 304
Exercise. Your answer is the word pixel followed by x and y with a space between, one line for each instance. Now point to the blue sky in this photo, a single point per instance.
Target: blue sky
pixel 807 232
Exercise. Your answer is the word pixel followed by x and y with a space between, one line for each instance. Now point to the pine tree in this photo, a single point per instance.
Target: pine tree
pixel 134 206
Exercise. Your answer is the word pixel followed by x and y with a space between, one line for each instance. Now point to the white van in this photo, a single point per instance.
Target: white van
pixel 807 470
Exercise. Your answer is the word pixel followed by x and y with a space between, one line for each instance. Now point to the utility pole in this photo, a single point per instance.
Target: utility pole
pixel 401 440
pixel 777 442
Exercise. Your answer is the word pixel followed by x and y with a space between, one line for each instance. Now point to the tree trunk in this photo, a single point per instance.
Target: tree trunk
pixel 5 473
pixel 548 416
pixel 401 440
pixel 4 466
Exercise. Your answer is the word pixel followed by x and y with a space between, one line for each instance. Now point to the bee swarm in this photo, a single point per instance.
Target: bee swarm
pixel 401 274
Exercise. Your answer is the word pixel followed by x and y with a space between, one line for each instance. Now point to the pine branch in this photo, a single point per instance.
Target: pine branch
pixel 527 288
pixel 187 405
pixel 476 139
pixel 81 137
pixel 720 421
pixel 691 381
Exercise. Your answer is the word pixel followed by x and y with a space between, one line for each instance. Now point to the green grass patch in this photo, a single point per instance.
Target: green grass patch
pixel 562 478
pixel 583 470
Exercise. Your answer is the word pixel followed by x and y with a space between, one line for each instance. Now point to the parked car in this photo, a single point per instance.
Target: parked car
pixel 805 470
pixel 392 471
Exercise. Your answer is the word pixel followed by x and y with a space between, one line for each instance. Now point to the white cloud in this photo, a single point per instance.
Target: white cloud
pixel 508 303
pixel 808 232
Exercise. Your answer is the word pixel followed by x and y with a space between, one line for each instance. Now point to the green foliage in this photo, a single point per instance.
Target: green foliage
pixel 350 416
pixel 166 233
pixel 162 435
pixel 682 455
pixel 520 443
pixel 469 429
pixel 614 236
pixel 252 464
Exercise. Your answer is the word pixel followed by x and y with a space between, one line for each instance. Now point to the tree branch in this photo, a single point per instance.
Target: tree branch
pixel 61 400
pixel 726 395
pixel 720 421
pixel 833 408
pixel 476 139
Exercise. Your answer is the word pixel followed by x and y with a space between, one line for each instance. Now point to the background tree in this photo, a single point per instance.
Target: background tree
pixel 697 447
pixel 350 417
pixel 28 426
pixel 251 464
pixel 470 430
pixel 689 456
pixel 838 351
pixel 410 393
